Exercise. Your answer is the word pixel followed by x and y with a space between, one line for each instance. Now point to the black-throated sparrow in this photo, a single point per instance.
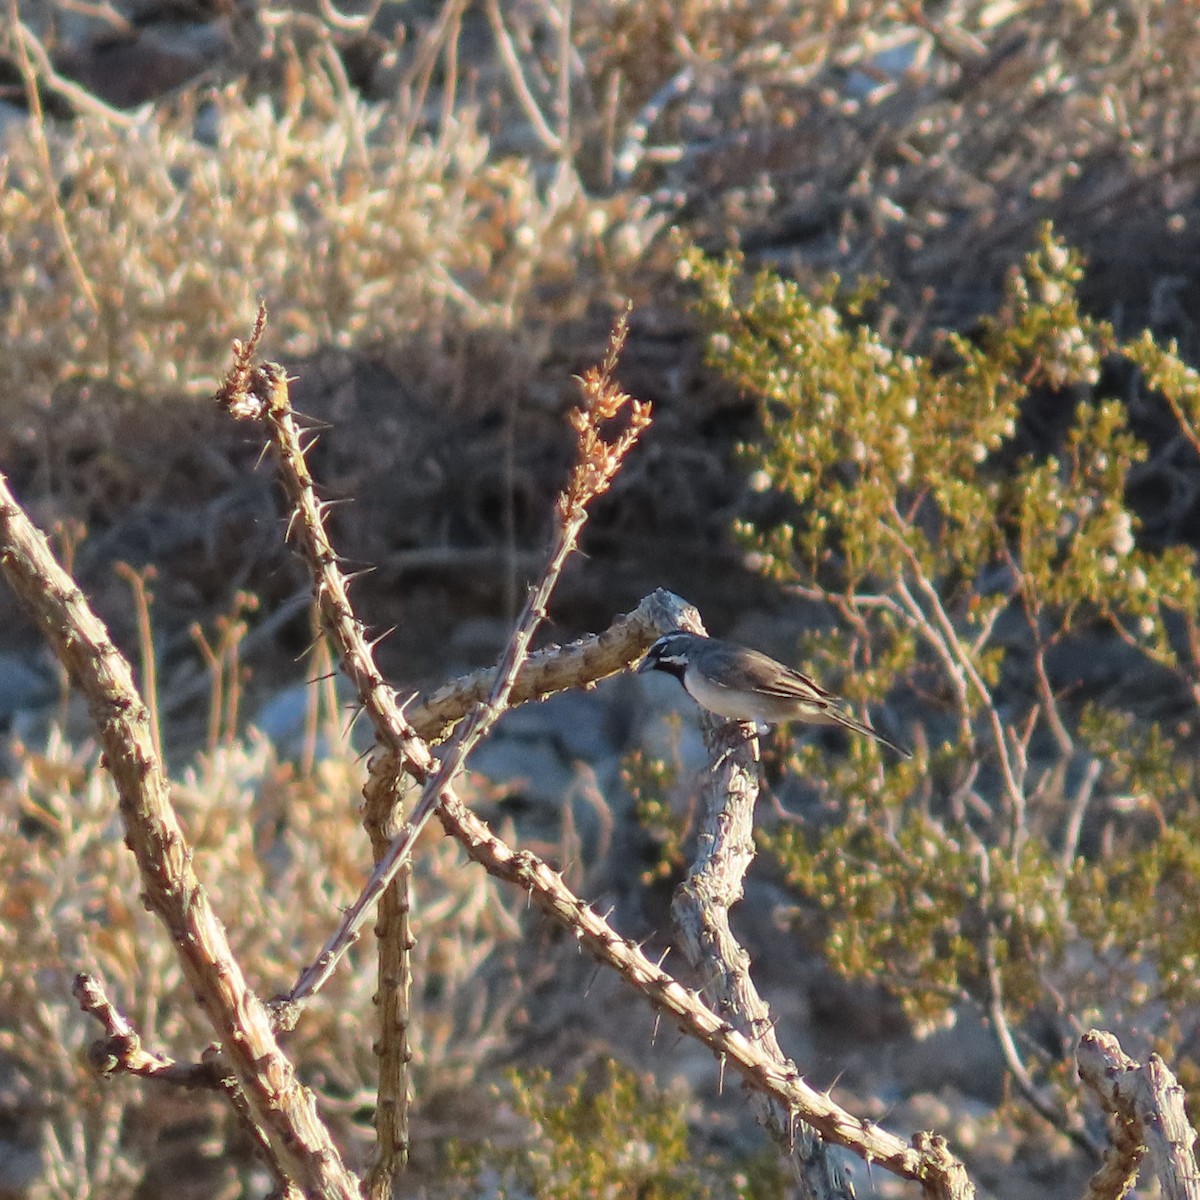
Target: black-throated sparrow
pixel 746 685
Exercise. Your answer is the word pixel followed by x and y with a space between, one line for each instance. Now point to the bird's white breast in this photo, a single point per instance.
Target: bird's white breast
pixel 725 702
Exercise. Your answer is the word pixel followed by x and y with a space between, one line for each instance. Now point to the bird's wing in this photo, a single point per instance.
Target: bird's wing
pixel 758 672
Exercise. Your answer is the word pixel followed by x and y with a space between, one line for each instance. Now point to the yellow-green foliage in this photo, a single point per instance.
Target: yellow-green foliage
pixel 611 1134
pixel 649 780
pixel 1037 856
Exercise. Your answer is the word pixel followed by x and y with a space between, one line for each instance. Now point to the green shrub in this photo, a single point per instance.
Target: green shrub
pixel 1037 857
pixel 610 1134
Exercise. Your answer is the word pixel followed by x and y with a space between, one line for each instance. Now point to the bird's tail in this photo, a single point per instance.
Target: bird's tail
pixel 845 719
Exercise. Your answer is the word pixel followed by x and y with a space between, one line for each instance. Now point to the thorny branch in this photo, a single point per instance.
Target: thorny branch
pixel 262 392
pixel 597 462
pixel 724 851
pixel 1146 1107
pixel 121 1050
pixel 596 465
pixel 280 1109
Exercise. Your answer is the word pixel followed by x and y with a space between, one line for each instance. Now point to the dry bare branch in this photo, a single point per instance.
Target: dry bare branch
pixel 996 1011
pixel 24 42
pixel 516 77
pixel 1147 1113
pixel 263 393
pixel 724 851
pixel 38 71
pixel 577 664
pixel 927 1161
pixel 122 1050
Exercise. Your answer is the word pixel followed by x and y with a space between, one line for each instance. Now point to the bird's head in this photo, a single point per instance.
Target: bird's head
pixel 671 653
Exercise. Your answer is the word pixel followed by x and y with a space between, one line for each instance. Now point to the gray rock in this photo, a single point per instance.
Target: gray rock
pixel 284 718
pixel 529 765
pixel 24 685
pixel 577 723
pixel 671 727
pixel 20 1167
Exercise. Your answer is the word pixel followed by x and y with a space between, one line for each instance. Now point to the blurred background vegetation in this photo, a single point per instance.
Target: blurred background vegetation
pixel 956 479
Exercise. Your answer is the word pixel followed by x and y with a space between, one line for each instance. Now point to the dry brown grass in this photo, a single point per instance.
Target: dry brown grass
pixel 348 232
pixel 280 852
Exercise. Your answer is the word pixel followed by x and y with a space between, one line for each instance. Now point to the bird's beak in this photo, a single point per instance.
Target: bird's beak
pixel 644 665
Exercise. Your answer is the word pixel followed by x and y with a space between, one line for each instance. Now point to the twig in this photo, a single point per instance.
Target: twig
pixel 998 1019
pixel 596 465
pixel 920 621
pixel 516 77
pixel 940 633
pixel 186 693
pixel 563 99
pixel 142 598
pixel 415 83
pixel 122 1050
pixel 102 11
pixel 78 97
pixel 633 147
pixel 300 1146
pixel 1031 610
pixel 343 22
pixel 1079 806
pixel 24 41
pixel 1185 422
pixel 725 849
